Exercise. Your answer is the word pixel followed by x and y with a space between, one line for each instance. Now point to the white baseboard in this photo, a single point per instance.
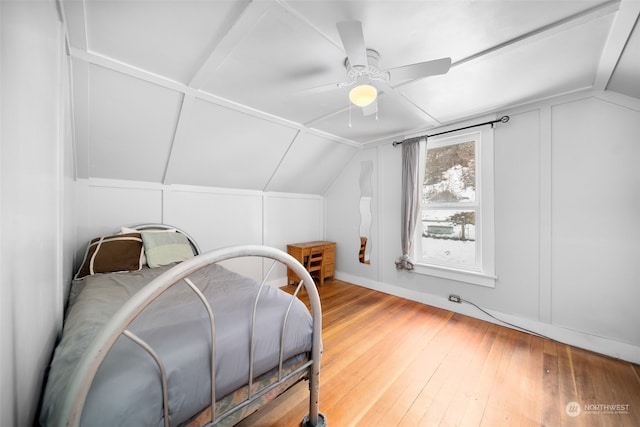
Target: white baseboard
pixel 606 346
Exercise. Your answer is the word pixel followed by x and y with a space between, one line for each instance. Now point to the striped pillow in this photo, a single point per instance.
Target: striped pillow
pixel 121 252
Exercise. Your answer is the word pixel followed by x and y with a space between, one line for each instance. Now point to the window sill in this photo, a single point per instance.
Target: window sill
pixel 472 277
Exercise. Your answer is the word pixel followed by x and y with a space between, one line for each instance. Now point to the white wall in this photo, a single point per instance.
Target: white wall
pixel 214 217
pixel 567 203
pixel 36 177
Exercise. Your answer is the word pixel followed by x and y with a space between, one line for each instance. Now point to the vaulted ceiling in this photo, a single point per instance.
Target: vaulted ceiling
pixel 215 93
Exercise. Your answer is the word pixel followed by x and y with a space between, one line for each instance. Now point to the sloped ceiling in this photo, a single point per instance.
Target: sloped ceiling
pixel 215 93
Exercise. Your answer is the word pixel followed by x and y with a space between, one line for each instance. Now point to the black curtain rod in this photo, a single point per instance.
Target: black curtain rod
pixel 503 119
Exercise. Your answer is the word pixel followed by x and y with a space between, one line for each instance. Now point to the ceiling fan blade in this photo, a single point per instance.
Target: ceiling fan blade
pixel 370 109
pixel 353 42
pixel 420 70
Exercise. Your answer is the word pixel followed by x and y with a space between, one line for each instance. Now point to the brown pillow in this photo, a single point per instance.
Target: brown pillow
pixel 122 252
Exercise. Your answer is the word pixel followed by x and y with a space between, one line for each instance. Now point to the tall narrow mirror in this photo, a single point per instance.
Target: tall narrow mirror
pixel 366 192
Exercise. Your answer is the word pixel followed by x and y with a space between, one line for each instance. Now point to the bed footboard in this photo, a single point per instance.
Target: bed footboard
pixel 80 383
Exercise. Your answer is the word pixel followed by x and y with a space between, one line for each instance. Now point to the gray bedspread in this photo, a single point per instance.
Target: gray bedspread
pixel 127 388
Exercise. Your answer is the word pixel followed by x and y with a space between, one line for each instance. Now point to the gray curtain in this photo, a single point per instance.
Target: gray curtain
pixel 411 203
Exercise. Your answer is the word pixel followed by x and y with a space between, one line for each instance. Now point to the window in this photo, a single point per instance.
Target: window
pixel 455 235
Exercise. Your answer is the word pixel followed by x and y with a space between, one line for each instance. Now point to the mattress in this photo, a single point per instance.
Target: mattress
pixel 127 388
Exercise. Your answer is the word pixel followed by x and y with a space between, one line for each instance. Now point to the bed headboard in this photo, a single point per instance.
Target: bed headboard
pixel 143 227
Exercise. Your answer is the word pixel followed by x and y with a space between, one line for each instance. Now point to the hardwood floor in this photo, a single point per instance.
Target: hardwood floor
pixel 388 361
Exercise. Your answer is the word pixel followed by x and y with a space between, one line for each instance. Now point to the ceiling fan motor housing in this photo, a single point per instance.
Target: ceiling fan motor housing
pixel 364 74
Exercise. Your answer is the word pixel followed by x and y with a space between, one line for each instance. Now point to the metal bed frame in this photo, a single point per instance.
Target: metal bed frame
pixel 89 364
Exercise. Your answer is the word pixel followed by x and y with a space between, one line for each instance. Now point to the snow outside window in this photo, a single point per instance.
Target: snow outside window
pixel 454 238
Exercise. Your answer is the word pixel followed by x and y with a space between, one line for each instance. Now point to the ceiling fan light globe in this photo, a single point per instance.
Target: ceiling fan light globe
pixel 363 95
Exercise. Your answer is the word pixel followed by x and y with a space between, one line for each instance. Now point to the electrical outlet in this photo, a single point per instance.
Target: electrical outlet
pixel 455 298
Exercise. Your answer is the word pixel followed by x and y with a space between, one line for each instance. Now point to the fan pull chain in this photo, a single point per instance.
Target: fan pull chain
pixel 349 114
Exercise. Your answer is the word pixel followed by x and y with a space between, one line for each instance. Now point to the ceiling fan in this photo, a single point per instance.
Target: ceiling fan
pixel 365 76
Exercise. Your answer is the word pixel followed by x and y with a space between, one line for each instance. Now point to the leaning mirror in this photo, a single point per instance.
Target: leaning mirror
pixel 366 170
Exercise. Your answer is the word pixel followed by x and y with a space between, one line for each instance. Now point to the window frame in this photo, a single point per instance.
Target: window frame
pixel 484 274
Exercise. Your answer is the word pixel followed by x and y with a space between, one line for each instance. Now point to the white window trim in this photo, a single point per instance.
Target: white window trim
pixel 460 275
pixel 485 215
